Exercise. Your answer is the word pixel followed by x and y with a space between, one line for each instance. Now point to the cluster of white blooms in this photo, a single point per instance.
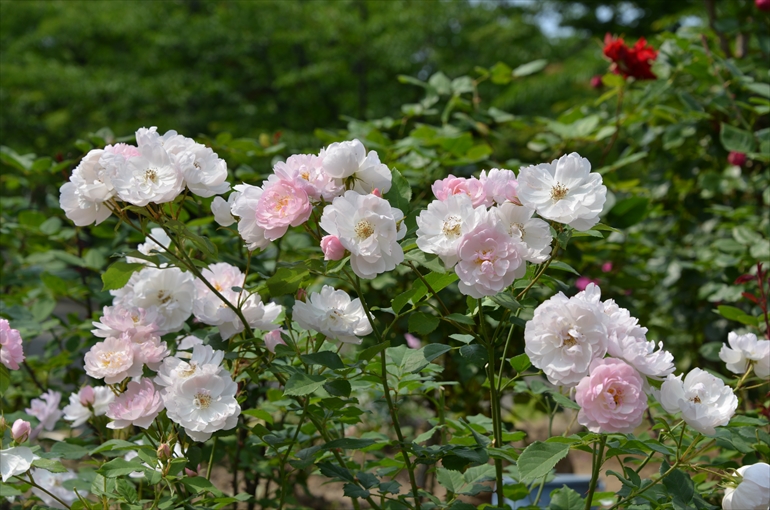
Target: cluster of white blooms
pixel 198 393
pixel 568 339
pixel 358 220
pixel 210 309
pixel 332 313
pixel 485 227
pixel 156 170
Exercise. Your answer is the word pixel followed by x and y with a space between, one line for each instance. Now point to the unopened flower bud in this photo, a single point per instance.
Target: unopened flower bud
pixel 164 452
pixel 273 339
pixel 3 425
pixel 596 82
pixel 606 267
pixel 20 430
pixel 190 472
pixel 301 295
pixel 332 248
pixel 736 158
pixel 86 395
pixel 376 192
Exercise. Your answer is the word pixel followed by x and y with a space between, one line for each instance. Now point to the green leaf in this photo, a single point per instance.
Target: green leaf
pixel 119 467
pixel 478 474
pixel 460 319
pixel 287 280
pixel 327 359
pixel 563 401
pixel 557 264
pixel 400 192
pixel 613 80
pixel 68 451
pixel 678 484
pixel 372 351
pixel 426 260
pixel 352 490
pixel 422 323
pixel 736 314
pixel 199 485
pixel 368 480
pixel 450 479
pixel 530 68
pixel 501 74
pixel 539 458
pixel 52 465
pixel 566 499
pixel 338 388
pixel 507 301
pixel 113 444
pixel 520 363
pixel 736 140
pixel 301 384
pixel 118 274
pixel 334 471
pixel 475 354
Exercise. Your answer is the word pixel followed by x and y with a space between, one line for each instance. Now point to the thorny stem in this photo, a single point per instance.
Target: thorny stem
pixel 386 389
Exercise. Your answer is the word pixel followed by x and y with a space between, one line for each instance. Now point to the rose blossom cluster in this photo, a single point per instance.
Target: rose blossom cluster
pixel 635 61
pixel 485 227
pixel 156 170
pixel 344 177
pixel 568 338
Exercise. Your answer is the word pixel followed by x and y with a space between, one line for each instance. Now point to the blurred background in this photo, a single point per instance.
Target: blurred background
pixel 251 67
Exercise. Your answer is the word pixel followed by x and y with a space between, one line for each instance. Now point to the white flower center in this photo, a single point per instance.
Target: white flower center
pixel 189 371
pixel 335 315
pixel 695 399
pixel 110 359
pixel 558 192
pixel 364 229
pixel 202 400
pixel 516 229
pixel 451 227
pixel 163 298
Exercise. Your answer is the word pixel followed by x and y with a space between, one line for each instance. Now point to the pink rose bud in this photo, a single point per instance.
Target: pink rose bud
pixel 736 158
pixel 190 472
pixel 301 295
pixel 762 5
pixel 412 341
pixel 596 82
pixel 606 267
pixel 332 248
pixel 273 339
pixel 86 395
pixel 3 425
pixel 20 430
pixel 376 192
pixel 164 452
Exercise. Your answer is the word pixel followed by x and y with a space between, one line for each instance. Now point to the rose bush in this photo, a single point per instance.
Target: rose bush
pixel 234 296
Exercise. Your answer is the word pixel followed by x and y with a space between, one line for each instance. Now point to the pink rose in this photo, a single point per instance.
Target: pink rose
pixel 500 186
pixel 11 352
pixel 273 339
pixel 332 248
pixel 612 397
pixel 124 149
pixel 606 267
pixel 282 203
pixel 113 360
pixel 412 341
pixel 20 430
pixel 490 260
pixel 452 185
pixel 138 405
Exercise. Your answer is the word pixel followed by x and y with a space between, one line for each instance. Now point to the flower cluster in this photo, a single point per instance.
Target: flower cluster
pixel 485 227
pixel 633 62
pixel 332 313
pixel 156 170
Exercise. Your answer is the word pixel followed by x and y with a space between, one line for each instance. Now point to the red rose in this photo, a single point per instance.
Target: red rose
pixel 736 158
pixel 635 62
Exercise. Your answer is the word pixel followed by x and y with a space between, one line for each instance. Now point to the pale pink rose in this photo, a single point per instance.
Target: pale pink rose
pixel 11 352
pixel 606 267
pixel 112 360
pixel 273 339
pixel 123 149
pixel 583 281
pixel 445 188
pixel 283 203
pixel 332 248
pixel 20 430
pixel 412 341
pixel 490 259
pixel 46 410
pixel 138 405
pixel 86 396
pixel 612 397
pixel 139 323
pixel 150 352
pixel 306 170
pixel 500 185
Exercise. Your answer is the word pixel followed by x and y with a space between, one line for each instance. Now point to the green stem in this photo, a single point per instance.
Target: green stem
pixel 211 459
pixel 597 466
pixel 33 484
pixel 282 465
pixel 494 404
pixel 630 497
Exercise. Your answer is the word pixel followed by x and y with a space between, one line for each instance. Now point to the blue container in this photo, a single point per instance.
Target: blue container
pixel 578 483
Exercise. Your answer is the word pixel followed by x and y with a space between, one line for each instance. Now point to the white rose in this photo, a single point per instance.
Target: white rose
pixel 703 399
pixel 753 492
